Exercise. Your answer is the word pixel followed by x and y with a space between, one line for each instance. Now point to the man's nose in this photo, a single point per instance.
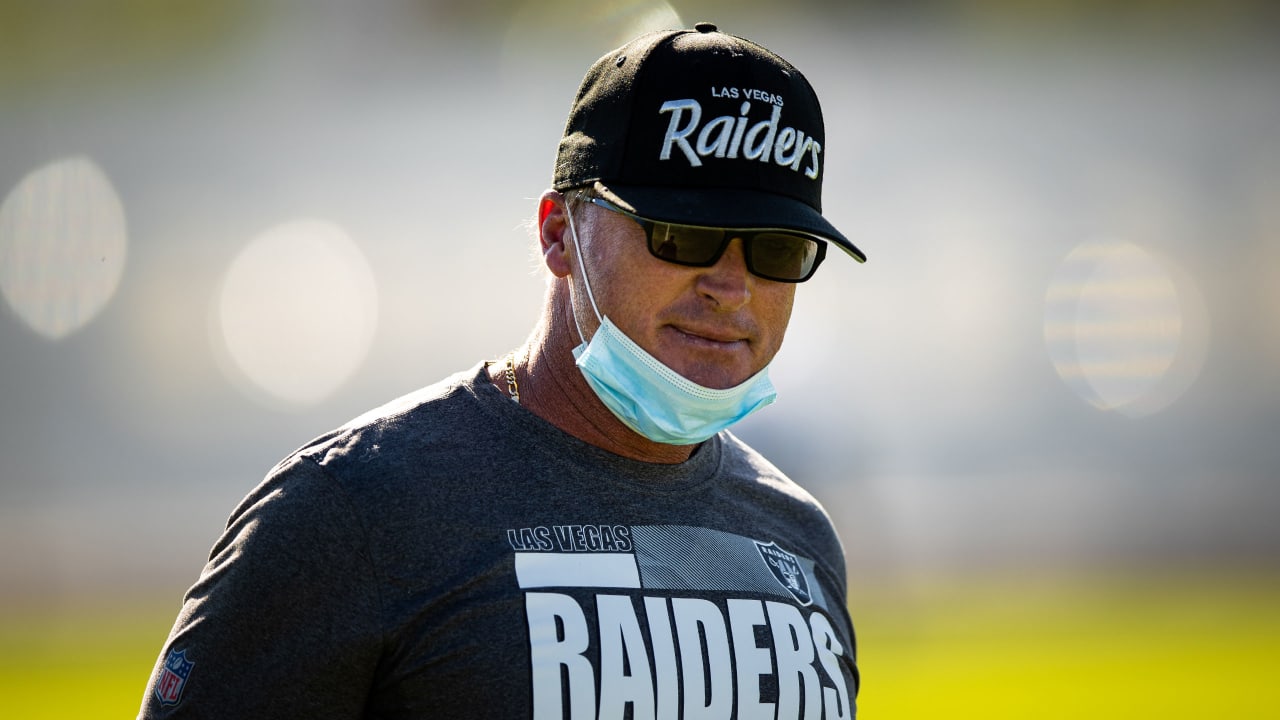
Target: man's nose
pixel 728 282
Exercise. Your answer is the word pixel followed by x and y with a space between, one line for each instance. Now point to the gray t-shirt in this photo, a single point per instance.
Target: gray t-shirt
pixel 451 555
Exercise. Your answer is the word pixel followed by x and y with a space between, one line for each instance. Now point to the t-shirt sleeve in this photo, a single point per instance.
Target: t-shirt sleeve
pixel 284 619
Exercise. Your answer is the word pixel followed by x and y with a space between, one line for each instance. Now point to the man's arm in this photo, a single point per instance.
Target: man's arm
pixel 284 620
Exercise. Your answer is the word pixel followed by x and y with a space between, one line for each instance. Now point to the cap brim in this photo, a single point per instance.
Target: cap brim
pixel 728 208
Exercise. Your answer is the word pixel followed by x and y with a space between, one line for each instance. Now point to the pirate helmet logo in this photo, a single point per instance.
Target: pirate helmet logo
pixel 787 570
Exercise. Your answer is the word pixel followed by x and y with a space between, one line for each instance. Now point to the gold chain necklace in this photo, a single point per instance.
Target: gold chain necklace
pixel 512 386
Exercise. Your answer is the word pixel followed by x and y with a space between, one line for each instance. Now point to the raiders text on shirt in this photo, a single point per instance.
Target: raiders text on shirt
pixel 676 622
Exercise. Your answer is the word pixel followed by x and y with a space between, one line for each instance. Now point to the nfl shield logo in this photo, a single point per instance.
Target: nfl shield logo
pixel 173 677
pixel 786 570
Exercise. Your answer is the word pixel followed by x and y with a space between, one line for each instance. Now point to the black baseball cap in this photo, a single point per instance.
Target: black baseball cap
pixel 701 128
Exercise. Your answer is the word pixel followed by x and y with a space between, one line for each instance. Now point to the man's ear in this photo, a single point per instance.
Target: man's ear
pixel 553 231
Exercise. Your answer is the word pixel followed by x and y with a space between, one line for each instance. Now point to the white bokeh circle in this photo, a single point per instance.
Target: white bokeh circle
pixel 1125 329
pixel 297 310
pixel 63 246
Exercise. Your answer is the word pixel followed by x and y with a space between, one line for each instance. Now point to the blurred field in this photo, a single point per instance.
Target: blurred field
pixel 1197 646
pixel 1185 647
pixel 56 662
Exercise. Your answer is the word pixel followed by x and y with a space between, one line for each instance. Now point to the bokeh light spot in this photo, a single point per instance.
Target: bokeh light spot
pixel 298 309
pixel 1125 330
pixel 63 245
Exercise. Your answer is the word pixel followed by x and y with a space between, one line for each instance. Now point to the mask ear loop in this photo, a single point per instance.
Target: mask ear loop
pixel 577 251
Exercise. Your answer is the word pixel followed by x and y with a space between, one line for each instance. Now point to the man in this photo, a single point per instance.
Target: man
pixel 601 546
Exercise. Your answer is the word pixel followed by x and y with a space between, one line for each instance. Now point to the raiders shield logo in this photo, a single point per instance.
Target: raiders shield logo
pixel 786 570
pixel 173 677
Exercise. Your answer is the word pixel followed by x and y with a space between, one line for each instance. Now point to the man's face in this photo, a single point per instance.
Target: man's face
pixel 716 326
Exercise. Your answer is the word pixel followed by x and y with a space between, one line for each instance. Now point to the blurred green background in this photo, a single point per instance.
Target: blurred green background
pixel 1044 415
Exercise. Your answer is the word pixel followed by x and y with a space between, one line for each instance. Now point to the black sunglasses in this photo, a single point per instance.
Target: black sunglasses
pixel 773 254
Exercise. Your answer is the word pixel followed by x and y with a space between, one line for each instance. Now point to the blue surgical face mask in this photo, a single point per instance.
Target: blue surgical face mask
pixel 651 398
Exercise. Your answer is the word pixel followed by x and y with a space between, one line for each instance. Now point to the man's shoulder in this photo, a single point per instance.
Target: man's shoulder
pixel 396 431
pixel 436 397
pixel 748 462
pixel 388 463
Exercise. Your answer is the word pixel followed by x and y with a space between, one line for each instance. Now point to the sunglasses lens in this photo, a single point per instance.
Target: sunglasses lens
pixel 686 245
pixel 784 257
pixel 771 255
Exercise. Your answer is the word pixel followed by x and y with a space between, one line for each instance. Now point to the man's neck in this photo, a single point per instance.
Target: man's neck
pixel 553 388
